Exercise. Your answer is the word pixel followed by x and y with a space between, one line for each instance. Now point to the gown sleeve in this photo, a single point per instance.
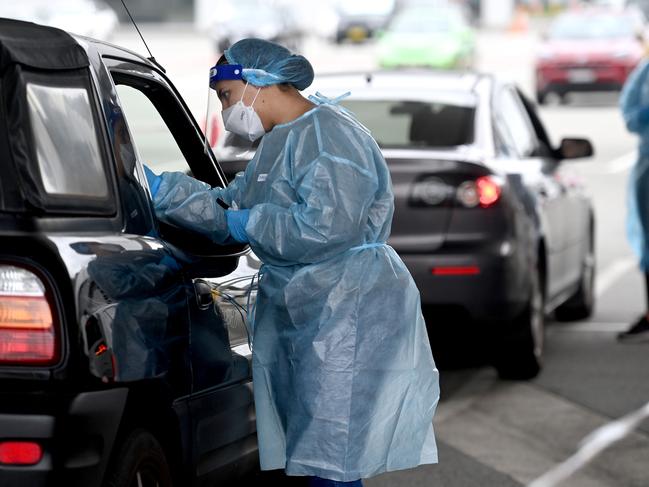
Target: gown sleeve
pixel 186 202
pixel 635 110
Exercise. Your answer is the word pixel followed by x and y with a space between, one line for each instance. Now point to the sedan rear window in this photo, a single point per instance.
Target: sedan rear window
pixel 415 124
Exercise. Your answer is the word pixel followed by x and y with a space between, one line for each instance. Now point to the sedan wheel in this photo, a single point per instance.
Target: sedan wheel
pixel 518 353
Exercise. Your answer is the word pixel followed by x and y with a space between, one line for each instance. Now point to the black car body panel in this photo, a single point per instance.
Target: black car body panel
pixel 135 349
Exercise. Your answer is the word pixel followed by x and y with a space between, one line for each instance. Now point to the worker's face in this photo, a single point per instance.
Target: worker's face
pixel 230 92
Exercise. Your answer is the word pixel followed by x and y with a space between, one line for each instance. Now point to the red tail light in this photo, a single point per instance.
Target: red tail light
pixel 27 332
pixel 484 191
pixel 20 453
pixel 488 190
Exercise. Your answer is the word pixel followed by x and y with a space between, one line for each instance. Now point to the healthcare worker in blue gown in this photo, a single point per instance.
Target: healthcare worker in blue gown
pixel 634 102
pixel 344 380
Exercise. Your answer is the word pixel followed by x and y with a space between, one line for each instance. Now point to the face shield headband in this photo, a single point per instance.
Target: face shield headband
pixel 219 72
pixel 222 72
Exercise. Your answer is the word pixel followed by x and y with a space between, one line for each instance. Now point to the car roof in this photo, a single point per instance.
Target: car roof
pixel 107 49
pixel 455 86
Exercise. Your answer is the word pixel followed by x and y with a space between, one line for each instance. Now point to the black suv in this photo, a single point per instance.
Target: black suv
pixel 124 353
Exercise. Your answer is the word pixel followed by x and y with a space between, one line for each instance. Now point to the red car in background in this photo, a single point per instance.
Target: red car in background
pixel 589 50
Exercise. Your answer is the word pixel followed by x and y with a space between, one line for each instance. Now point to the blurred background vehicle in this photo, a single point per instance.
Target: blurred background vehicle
pixel 91 18
pixel 273 21
pixel 319 19
pixel 592 49
pixel 361 19
pixel 641 4
pixel 428 36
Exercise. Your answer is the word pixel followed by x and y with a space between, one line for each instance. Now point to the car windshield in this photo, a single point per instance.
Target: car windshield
pixel 591 27
pixel 415 124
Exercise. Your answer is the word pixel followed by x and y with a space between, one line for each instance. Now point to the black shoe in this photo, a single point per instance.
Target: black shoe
pixel 639 332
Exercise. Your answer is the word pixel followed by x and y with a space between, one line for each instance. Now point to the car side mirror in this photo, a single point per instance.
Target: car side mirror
pixel 575 148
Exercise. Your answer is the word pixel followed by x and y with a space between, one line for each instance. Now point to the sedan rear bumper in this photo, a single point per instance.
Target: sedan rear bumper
pixel 489 287
pixel 581 78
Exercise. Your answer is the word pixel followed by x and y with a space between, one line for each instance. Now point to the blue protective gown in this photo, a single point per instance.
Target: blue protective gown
pixel 344 380
pixel 634 102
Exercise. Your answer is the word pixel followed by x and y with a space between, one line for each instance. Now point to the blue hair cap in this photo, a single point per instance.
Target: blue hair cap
pixel 266 63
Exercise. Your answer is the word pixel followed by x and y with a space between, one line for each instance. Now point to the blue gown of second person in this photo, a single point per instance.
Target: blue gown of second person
pixel 344 380
pixel 634 103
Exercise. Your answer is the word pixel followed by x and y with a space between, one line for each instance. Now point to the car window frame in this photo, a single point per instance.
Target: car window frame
pixel 202 163
pixel 544 145
pixel 499 119
pixel 61 204
pixel 191 144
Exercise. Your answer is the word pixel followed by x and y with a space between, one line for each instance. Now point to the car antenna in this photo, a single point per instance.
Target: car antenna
pixel 150 58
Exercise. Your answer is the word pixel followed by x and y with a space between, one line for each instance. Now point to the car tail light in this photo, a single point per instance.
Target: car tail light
pixel 484 191
pixel 27 330
pixel 20 453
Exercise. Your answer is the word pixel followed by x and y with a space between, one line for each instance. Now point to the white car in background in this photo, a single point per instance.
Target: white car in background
pixel 91 18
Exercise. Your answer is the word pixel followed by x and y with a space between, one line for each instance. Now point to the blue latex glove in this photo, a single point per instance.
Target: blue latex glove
pixel 237 220
pixel 153 179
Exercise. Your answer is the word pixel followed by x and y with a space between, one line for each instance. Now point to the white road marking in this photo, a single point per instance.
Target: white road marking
pixel 542 432
pixel 589 327
pixel 622 163
pixel 595 443
pixel 608 277
pixel 614 166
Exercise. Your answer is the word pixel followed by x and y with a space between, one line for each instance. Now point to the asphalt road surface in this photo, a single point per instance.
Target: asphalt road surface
pixel 490 432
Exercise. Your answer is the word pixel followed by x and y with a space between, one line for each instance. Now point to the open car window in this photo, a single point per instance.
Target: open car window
pixel 163 130
pixel 155 143
pixel 166 141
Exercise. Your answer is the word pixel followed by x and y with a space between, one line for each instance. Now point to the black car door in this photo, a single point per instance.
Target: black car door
pixel 217 280
pixel 517 140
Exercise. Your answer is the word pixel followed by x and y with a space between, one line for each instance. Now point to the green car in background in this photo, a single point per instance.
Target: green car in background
pixel 432 37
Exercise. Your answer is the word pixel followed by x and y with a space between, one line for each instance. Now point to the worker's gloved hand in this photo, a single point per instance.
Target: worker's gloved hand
pixel 153 179
pixel 237 220
pixel 643 115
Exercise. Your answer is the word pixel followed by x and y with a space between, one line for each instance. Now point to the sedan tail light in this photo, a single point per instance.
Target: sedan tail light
pixel 27 330
pixel 482 192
